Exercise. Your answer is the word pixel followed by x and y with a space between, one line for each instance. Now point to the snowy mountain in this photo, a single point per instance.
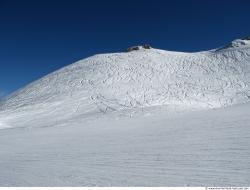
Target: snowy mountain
pixel 135 80
pixel 140 118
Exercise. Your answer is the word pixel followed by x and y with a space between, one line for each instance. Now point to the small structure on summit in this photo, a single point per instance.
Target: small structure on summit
pixel 135 48
pixel 246 38
pixel 146 46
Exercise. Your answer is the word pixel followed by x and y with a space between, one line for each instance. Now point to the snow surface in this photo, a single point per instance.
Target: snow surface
pixel 142 118
pixel 200 148
pixel 138 79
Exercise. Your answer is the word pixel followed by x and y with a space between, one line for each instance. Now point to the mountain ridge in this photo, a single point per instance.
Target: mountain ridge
pixel 142 78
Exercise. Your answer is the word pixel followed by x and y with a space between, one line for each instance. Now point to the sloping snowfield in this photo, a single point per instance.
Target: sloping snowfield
pixel 138 79
pixel 143 118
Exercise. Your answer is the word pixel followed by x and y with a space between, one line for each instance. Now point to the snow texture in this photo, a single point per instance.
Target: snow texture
pixel 142 118
pixel 138 79
pixel 200 148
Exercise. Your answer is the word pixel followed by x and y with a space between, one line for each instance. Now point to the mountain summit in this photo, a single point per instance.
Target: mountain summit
pixel 136 79
pixel 244 42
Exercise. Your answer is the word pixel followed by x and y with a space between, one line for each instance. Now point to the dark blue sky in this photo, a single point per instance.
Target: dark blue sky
pixel 38 37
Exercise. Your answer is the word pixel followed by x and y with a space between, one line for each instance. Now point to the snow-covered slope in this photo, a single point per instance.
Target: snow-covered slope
pixel 74 127
pixel 138 79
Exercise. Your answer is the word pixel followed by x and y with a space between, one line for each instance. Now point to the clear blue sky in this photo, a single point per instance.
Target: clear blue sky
pixel 38 37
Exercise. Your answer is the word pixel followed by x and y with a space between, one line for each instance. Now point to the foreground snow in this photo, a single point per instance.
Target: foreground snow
pixel 153 148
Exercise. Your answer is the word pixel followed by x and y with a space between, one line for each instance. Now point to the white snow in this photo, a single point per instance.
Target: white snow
pixel 138 79
pixel 200 148
pixel 142 118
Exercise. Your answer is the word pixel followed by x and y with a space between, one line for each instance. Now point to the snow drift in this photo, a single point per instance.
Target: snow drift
pixel 138 79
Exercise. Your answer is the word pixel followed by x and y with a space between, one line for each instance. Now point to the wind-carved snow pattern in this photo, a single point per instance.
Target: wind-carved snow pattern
pixel 135 80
